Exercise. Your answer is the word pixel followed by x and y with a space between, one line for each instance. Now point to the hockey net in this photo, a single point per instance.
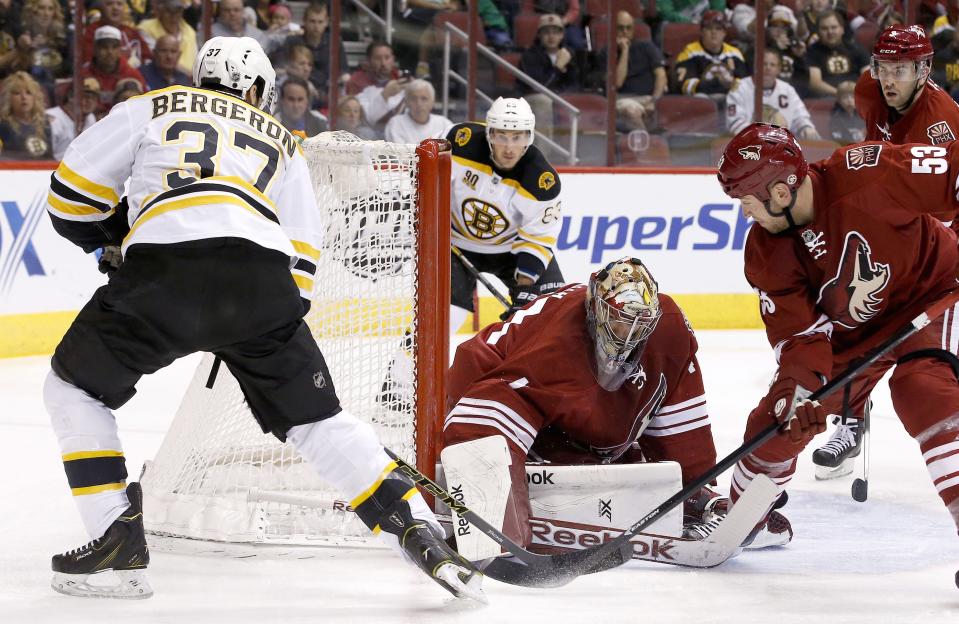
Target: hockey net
pixel 381 301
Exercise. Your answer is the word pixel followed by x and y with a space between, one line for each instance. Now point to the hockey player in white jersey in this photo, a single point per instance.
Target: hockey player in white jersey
pixel 505 205
pixel 220 238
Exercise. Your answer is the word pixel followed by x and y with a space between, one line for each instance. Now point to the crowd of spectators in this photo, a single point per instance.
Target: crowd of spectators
pixel 668 53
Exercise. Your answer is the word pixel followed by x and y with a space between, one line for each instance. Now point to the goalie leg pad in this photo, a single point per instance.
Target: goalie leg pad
pixel 477 473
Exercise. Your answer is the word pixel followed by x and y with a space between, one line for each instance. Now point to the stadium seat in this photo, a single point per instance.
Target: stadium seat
pixel 597 8
pixel 717 146
pixel 820 109
pixel 599 30
pixel 460 19
pixel 505 81
pixel 675 38
pixel 866 34
pixel 687 114
pixel 524 29
pixel 654 154
pixel 818 150
pixel 592 109
pixel 527 7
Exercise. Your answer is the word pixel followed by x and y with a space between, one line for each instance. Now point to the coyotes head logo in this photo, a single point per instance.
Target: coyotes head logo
pixel 750 152
pixel 851 298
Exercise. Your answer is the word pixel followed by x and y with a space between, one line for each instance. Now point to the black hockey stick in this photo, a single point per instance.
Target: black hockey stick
pixel 480 277
pixel 605 556
pixel 534 570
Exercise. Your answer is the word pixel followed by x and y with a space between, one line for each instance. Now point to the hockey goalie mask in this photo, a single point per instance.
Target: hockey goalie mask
pixel 622 310
pixel 234 65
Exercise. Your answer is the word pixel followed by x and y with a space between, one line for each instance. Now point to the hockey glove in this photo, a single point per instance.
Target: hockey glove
pixel 786 403
pixel 110 260
pixel 519 296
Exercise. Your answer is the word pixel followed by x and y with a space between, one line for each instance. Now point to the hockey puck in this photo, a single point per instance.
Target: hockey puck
pixel 860 491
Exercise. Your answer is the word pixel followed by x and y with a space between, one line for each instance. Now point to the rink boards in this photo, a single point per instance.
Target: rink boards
pixel 680 224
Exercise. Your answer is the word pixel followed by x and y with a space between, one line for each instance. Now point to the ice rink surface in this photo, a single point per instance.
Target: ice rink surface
pixel 891 559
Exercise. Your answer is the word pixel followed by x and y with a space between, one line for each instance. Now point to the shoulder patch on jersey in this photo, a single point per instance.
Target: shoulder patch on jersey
pixel 469 141
pixel 536 176
pixel 546 181
pixel 863 156
pixel 940 132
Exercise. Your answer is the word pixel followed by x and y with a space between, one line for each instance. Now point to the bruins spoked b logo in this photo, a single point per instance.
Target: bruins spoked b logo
pixel 483 220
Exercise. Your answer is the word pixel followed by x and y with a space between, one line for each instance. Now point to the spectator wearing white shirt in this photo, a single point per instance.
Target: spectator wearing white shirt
pixel 781 104
pixel 418 122
pixel 63 128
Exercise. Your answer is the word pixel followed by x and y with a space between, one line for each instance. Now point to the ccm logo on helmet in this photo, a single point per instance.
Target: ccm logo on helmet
pixel 750 152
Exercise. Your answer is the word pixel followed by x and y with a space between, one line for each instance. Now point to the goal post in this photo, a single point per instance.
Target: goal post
pixel 380 314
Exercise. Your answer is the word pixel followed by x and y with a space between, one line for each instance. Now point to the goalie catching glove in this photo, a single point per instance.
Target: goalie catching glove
pixel 787 403
pixel 519 296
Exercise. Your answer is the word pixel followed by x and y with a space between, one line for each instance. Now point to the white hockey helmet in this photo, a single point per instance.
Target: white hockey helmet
pixel 234 64
pixel 622 310
pixel 511 114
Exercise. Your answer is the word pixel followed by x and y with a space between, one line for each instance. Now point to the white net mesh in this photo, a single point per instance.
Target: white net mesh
pixel 217 476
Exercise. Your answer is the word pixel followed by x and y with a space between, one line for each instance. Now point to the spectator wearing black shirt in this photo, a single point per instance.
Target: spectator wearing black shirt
pixel 710 66
pixel 24 128
pixel 640 74
pixel 831 59
pixel 316 37
pixel 162 70
pixel 569 13
pixel 781 35
pixel 945 63
pixel 548 63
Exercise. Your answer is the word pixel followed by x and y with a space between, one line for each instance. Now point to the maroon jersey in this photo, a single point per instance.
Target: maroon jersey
pixel 874 256
pixel 933 118
pixel 530 380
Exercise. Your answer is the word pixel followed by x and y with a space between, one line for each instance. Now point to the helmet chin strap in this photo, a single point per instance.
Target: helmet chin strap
pixel 915 91
pixel 786 211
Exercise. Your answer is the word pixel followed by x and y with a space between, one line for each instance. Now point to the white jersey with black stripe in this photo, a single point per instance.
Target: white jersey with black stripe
pixel 200 165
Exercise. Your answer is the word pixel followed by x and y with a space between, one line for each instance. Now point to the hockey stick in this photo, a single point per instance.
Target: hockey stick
pixel 479 276
pixel 860 487
pixel 604 556
pixel 535 570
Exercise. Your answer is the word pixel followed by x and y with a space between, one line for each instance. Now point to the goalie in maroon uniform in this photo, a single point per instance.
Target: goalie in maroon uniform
pixel 843 253
pixel 528 381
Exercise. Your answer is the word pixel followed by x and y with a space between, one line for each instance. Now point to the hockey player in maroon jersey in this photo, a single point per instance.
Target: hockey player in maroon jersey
pixel 900 104
pixel 897 99
pixel 843 253
pixel 528 381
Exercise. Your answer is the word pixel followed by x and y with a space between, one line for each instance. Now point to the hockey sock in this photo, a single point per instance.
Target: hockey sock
pixel 940 450
pixel 781 473
pixel 345 452
pixel 92 454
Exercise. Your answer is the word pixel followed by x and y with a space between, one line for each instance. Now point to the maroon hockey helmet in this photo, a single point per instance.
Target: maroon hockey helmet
pixel 902 43
pixel 758 156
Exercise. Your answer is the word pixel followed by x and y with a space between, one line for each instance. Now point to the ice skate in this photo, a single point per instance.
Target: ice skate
pixel 120 555
pixel 837 457
pixel 774 530
pixel 429 552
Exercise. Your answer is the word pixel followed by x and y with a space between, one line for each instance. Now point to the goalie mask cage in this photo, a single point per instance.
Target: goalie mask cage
pixel 380 311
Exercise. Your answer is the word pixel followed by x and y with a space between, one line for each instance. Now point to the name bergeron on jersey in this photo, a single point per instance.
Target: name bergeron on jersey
pixel 198 102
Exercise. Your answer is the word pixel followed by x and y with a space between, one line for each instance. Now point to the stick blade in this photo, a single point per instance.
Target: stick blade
pixel 554 570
